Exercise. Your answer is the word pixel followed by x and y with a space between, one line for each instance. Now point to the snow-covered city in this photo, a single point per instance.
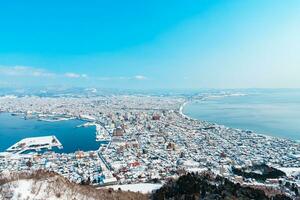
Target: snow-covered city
pixel 144 140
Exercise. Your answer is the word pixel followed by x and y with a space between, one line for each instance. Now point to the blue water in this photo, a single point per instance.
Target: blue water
pixel 15 128
pixel 275 113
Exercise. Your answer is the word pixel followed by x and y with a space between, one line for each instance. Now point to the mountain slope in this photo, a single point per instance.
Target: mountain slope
pixel 46 185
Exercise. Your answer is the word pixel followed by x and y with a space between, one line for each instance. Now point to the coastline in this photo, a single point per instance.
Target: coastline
pixel 241 148
pixel 62 135
pixel 181 111
pixel 241 129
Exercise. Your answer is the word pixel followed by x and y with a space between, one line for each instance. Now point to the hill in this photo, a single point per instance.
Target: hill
pixel 48 185
pixel 206 186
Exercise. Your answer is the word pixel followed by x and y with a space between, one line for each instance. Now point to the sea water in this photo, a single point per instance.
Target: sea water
pixel 270 112
pixel 15 128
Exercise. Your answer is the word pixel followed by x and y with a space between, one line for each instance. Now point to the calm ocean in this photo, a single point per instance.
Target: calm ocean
pixel 270 112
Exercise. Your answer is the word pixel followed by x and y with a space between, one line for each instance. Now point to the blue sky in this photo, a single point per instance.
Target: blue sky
pixel 150 44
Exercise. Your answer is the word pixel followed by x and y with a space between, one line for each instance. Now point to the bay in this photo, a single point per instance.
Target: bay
pixel 275 113
pixel 15 128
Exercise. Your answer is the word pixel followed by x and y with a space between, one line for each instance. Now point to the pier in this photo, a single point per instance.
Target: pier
pixel 35 143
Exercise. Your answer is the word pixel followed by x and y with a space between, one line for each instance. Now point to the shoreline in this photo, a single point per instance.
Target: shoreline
pixel 122 157
pixel 215 123
pixel 181 111
pixel 36 119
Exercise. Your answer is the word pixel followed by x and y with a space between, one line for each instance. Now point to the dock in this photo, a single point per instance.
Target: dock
pixel 35 143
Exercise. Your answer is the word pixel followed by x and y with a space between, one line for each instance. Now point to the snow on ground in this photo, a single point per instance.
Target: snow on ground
pixel 27 189
pixel 139 187
pixel 22 189
pixel 49 186
pixel 196 169
pixel 31 189
pixel 290 170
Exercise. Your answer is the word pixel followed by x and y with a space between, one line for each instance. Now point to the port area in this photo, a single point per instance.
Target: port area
pixel 102 134
pixel 35 143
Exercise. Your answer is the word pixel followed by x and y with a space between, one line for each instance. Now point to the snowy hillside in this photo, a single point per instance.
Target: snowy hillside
pixel 54 187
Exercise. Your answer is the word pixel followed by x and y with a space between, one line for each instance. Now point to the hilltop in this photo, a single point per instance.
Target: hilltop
pixel 49 185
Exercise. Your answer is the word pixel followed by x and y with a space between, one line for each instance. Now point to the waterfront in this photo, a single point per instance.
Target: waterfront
pixel 15 128
pixel 149 139
pixel 275 113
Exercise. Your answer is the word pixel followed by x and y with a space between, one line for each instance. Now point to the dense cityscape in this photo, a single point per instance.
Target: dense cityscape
pixel 144 139
pixel 150 100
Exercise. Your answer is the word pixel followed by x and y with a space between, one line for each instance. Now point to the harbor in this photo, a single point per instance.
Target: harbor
pixel 16 128
pixel 149 140
pixel 29 149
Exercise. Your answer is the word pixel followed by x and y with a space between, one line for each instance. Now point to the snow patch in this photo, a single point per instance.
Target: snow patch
pixel 139 187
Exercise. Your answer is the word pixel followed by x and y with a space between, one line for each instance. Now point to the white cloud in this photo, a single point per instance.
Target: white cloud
pixel 74 75
pixel 140 77
pixel 112 78
pixel 84 75
pixel 27 71
pixel 24 71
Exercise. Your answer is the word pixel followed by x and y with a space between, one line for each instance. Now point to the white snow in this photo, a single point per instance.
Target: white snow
pixel 22 189
pixel 27 189
pixel 29 143
pixel 196 169
pixel 55 188
pixel 290 170
pixel 139 187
